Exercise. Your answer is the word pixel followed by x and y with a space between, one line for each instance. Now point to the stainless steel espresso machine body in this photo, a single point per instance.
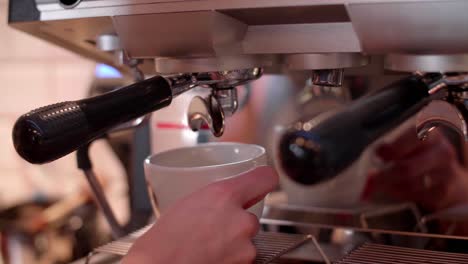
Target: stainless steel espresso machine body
pixel 223 44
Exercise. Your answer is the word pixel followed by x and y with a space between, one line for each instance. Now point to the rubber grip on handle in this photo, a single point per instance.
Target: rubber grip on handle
pixel 321 153
pixel 48 133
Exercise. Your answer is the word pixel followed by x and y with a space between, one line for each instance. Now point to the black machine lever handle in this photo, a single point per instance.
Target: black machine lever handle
pixel 51 132
pixel 319 154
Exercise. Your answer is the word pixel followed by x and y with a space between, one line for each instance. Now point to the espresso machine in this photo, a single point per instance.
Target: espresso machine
pixel 220 45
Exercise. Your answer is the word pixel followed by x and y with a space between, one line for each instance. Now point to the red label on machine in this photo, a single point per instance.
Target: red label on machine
pixel 177 126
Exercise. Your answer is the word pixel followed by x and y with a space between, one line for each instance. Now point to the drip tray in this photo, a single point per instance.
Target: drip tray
pixel 270 246
pixel 382 254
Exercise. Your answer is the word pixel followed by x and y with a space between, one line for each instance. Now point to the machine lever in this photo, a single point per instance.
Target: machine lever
pixel 315 153
pixel 48 133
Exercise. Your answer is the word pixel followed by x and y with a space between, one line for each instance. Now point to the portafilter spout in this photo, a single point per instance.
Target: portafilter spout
pixel 222 102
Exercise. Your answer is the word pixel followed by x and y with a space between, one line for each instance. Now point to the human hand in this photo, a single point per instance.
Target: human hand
pixel 426 172
pixel 209 226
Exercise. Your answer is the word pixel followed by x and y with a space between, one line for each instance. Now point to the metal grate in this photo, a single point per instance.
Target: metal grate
pixel 382 254
pixel 270 246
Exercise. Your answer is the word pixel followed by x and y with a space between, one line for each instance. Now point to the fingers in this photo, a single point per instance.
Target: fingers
pixel 429 166
pixel 245 229
pixel 435 152
pixel 247 189
pixel 239 228
pixel 423 159
pixel 408 143
pixel 242 224
pixel 250 223
pixel 400 147
pixel 247 253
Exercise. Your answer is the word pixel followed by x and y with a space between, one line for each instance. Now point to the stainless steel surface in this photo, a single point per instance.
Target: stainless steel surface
pixel 52 5
pixel 103 204
pixel 452 87
pixel 216 80
pixel 206 112
pixel 366 216
pixel 181 83
pixel 301 38
pixel 212 111
pixel 228 79
pixel 376 253
pixel 441 113
pixel 453 215
pixel 455 218
pixel 324 256
pixel 442 87
pixel 227 99
pixel 241 27
pixel 108 42
pixel 427 63
pixel 349 221
pixel 328 77
pixel 406 213
pixel 415 27
pixel 167 65
pixel 119 247
pixel 209 34
pixel 457 80
pixel 270 246
pixel 325 61
pixel 337 233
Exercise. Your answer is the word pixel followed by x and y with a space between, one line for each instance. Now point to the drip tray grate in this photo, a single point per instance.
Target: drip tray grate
pixel 382 254
pixel 270 246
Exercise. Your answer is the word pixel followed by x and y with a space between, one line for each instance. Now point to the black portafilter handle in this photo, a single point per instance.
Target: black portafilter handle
pixel 51 132
pixel 321 153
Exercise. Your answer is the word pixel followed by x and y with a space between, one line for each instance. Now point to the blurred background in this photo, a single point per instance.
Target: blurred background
pixel 45 207
pixel 33 73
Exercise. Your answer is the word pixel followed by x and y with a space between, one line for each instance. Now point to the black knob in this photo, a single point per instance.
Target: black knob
pixel 51 132
pixel 311 155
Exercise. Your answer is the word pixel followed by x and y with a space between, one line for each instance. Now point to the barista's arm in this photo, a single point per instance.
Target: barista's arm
pixel 209 226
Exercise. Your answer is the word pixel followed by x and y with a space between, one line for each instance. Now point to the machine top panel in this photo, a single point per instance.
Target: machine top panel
pixel 149 29
pixel 56 9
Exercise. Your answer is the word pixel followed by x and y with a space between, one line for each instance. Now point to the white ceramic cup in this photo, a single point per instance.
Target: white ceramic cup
pixel 174 174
